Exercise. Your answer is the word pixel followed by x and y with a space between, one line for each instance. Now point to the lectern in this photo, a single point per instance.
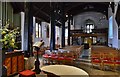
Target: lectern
pixel 37 46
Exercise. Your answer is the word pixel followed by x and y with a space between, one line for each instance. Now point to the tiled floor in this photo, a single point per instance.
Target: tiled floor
pixel 85 64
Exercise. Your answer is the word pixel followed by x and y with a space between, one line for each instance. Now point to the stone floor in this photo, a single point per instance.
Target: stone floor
pixel 84 63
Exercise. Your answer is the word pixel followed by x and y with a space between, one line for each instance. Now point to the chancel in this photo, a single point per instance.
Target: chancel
pixel 60 39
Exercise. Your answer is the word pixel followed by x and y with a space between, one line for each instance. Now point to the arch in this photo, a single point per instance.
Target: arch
pixel 89 21
pixel 89 25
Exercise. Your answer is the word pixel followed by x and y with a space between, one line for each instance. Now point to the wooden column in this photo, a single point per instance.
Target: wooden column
pixel 63 25
pixel 52 40
pixel 29 28
pixel 69 30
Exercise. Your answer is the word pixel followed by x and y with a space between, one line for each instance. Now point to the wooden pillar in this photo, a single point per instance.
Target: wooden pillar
pixel 69 30
pixel 63 25
pixel 28 29
pixel 52 40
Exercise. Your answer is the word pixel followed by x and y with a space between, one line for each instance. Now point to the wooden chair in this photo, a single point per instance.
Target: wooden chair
pixel 117 60
pixel 60 59
pixel 54 58
pixel 96 59
pixel 108 60
pixel 46 58
pixel 68 58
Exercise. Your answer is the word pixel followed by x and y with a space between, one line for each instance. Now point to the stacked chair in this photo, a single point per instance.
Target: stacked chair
pixel 63 56
pixel 108 60
pixel 96 59
pixel 105 57
pixel 59 58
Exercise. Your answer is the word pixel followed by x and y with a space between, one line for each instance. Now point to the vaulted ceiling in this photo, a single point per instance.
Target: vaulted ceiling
pixel 41 10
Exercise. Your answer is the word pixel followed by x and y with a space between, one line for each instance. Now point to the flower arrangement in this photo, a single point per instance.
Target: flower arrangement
pixel 9 37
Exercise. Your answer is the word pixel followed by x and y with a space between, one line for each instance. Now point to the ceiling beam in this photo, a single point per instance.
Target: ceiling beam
pixel 71 7
pixel 39 10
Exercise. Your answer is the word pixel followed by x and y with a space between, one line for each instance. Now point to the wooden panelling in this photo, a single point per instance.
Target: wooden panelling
pixel 14 62
pixel 20 63
pixel 8 65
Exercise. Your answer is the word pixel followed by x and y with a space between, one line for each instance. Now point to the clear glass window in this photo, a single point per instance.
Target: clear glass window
pixel 89 28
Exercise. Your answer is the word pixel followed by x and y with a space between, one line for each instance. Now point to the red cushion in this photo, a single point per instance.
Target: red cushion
pixel 54 57
pixel 109 62
pixel 27 73
pixel 94 57
pixel 117 58
pixel 68 58
pixel 96 61
pixel 107 59
pixel 117 62
pixel 46 56
pixel 61 58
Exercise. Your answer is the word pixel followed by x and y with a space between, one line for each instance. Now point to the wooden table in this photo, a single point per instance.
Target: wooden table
pixel 65 71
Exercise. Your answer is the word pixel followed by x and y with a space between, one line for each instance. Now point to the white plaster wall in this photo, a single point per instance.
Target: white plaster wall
pixel 34 32
pixel 60 34
pixel 114 40
pixel 79 20
pixel 109 15
pixel 34 24
pixel 22 30
pixel 96 17
pixel 44 36
pixel 118 43
pixel 36 39
pixel 116 8
pixel 115 34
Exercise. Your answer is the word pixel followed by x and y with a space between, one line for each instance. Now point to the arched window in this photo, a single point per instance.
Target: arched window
pixel 89 27
pixel 37 30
